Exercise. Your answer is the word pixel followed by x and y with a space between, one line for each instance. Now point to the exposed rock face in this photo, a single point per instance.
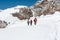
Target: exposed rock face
pixel 24 13
pixel 46 7
pixel 3 24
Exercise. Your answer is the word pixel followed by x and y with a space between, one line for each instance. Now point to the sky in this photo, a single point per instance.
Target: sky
pixel 11 3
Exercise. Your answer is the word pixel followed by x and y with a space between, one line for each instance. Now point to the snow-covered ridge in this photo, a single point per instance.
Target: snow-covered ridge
pixel 9 11
pixel 13 9
pixel 6 14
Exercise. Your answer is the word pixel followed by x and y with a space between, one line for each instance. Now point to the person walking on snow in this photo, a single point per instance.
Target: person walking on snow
pixel 30 22
pixel 35 21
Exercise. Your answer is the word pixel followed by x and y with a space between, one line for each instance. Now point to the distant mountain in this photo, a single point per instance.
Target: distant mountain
pixel 44 7
pixel 8 16
pixel 21 12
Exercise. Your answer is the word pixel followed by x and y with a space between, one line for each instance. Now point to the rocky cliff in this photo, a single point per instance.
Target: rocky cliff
pixel 46 7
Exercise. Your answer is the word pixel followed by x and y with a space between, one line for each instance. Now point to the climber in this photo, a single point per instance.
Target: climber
pixel 35 21
pixel 30 22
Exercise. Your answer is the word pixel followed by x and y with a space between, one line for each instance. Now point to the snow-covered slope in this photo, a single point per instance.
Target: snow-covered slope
pixel 13 9
pixel 6 14
pixel 47 28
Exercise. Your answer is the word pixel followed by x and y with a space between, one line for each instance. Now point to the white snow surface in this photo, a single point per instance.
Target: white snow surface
pixel 47 28
pixel 6 14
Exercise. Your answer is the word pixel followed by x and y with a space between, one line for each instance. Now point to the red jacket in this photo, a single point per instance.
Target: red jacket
pixel 35 20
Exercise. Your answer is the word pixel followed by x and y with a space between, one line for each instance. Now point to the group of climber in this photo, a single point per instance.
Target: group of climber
pixel 29 22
